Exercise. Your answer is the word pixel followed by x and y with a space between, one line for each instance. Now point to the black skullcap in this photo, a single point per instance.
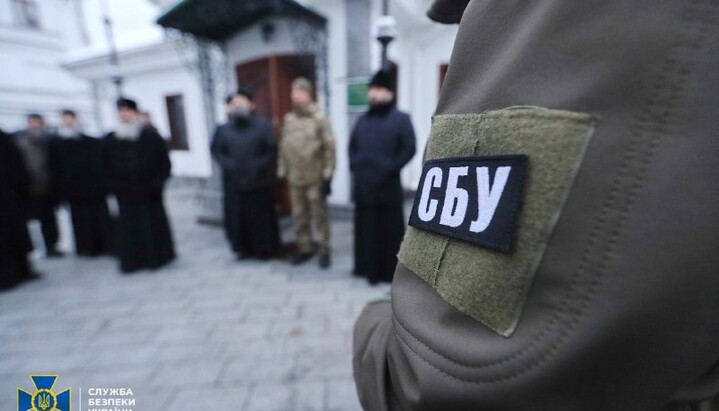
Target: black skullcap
pixel 383 78
pixel 126 103
pixel 68 112
pixel 243 90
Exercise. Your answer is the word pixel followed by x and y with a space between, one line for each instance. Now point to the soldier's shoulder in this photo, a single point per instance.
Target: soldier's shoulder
pixel 290 116
pixel 320 115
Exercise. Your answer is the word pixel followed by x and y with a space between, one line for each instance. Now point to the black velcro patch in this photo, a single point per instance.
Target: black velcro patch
pixel 474 199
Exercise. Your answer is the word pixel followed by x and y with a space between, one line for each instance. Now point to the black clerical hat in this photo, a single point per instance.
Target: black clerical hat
pixel 383 78
pixel 244 90
pixel 127 103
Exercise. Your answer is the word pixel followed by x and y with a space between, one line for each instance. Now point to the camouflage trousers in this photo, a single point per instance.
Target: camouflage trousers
pixel 309 203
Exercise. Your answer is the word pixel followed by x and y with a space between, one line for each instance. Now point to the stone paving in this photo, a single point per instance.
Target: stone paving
pixel 207 332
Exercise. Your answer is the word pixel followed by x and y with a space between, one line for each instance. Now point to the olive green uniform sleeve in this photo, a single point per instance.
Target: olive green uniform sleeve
pixel 620 313
pixel 282 154
pixel 371 336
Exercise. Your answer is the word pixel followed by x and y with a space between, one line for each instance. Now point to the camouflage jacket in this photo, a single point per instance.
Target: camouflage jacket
pixel 307 150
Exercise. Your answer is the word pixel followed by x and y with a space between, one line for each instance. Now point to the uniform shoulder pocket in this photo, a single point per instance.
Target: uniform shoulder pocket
pixel 491 192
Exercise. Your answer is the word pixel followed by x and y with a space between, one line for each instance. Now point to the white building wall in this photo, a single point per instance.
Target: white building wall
pixel 337 76
pixel 150 90
pixel 419 86
pixel 31 79
pixel 249 44
pixel 419 50
pixel 6 16
pixel 149 75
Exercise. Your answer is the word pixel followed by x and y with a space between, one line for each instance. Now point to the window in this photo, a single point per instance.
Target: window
pixel 27 13
pixel 178 127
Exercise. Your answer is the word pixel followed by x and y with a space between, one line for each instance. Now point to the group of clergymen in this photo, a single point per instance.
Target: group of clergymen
pixel 43 167
pixel 381 144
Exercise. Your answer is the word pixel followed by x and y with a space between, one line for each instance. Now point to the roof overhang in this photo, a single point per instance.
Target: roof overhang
pixel 219 19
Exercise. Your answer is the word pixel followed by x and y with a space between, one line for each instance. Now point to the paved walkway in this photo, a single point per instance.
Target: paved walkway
pixel 206 333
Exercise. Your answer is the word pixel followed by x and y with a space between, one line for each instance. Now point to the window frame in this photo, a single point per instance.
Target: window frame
pixel 179 136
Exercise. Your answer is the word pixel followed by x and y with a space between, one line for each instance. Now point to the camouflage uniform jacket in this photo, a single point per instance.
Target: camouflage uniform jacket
pixel 307 150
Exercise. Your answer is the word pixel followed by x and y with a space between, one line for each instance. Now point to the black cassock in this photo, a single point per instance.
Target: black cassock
pixel 382 142
pixel 136 172
pixel 15 241
pixel 247 151
pixel 79 174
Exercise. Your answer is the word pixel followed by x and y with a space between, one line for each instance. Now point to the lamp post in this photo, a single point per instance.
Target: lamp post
pixel 386 32
pixel 115 76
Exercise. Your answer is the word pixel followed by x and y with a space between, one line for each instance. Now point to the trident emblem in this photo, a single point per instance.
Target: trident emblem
pixel 44 398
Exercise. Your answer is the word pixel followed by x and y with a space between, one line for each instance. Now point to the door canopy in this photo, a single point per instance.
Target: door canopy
pixel 219 19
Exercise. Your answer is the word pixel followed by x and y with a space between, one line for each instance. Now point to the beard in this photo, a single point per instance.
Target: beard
pixel 240 116
pixel 129 131
pixel 380 107
pixel 68 132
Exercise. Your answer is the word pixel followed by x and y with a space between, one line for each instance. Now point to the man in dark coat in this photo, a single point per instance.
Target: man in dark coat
pixel 76 162
pixel 33 143
pixel 246 149
pixel 14 237
pixel 381 143
pixel 137 166
pixel 227 216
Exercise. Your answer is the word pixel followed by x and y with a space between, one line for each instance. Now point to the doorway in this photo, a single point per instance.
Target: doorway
pixel 270 79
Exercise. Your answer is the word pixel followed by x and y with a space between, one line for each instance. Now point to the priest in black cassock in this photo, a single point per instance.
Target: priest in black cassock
pixel 246 149
pixel 76 162
pixel 33 142
pixel 226 197
pixel 15 241
pixel 137 165
pixel 381 144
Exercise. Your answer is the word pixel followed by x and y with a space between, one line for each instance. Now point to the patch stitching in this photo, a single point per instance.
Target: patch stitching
pixel 440 260
pixel 481 125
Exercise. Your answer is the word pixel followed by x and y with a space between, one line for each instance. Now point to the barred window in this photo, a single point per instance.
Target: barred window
pixel 178 127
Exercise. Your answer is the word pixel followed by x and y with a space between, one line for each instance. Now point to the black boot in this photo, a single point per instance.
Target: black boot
pixel 300 258
pixel 54 253
pixel 325 261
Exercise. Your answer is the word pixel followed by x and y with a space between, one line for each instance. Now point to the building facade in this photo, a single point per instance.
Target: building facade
pixel 34 37
pixel 209 46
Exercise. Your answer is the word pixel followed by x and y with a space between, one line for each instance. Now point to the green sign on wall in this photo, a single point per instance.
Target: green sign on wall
pixel 357 95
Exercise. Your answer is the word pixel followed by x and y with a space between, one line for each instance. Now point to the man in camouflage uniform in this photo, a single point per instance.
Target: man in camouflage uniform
pixel 307 161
